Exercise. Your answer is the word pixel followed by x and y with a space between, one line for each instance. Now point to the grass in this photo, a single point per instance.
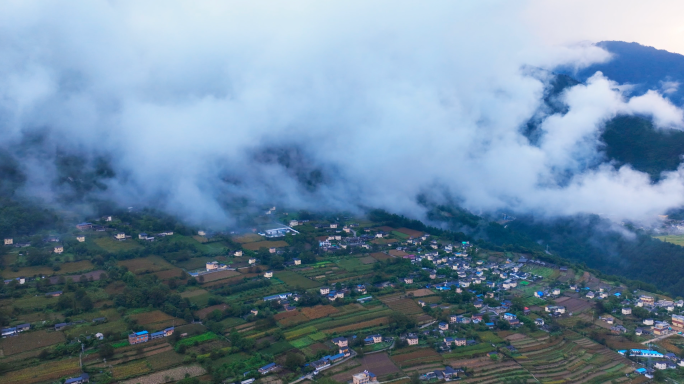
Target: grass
pixel 303 342
pixel 146 264
pixel 278 348
pixel 469 351
pixel 207 336
pixel 542 271
pixel 112 245
pixel 294 279
pixel 66 268
pixel 673 239
pixel 300 332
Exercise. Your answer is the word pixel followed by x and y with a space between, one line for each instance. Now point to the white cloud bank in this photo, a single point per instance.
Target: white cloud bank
pixel 386 99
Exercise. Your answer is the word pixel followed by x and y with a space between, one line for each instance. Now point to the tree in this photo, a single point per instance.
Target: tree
pixel 293 361
pixel 106 351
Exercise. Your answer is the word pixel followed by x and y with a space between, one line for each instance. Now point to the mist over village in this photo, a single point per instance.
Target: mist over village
pixel 341 192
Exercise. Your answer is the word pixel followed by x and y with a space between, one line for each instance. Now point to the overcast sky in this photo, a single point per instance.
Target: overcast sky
pixel 656 23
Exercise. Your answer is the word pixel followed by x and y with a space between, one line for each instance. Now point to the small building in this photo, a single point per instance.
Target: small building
pixel 364 377
pixel 254 311
pixel 678 321
pixel 99 336
pixel 345 351
pixel 80 239
pixel 590 295
pixel 9 331
pixel 60 326
pixel 460 342
pixel 325 290
pixel 373 339
pixel 626 311
pixel 252 261
pixel 408 280
pixel 156 335
pixel 340 341
pixel 201 233
pixel 59 249
pixel 412 340
pixel 9 241
pixel 443 326
pixel 297 261
pixel 238 253
pixel 23 327
pixel 54 294
pixel 539 322
pixel 84 226
pixel 268 368
pixel 271 250
pixel 648 321
pixel 138 337
pixel 294 223
pixel 120 236
pixel 84 378
pixel 268 274
pixel 556 291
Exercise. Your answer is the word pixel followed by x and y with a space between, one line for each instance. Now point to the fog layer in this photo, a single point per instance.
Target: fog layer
pixel 315 105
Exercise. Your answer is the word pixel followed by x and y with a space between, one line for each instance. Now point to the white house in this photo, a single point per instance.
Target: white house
pixel 201 233
pixel 252 260
pixel 120 236
pixel 268 274
pixel 238 253
pixel 80 239
pixel 59 249
pixel 626 311
pixel 9 241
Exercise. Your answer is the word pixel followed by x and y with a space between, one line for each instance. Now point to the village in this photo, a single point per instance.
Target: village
pixel 295 300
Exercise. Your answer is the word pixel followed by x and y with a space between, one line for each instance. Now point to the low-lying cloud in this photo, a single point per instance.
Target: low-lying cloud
pixel 315 105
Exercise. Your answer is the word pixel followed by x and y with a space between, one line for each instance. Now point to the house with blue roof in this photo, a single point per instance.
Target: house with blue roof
pixel 268 368
pixel 84 378
pixel 138 337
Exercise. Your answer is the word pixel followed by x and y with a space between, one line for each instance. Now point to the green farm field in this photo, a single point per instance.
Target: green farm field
pixel 294 279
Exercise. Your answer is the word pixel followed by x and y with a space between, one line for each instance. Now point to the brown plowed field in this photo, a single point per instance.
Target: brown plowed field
pixel 410 232
pixel 202 313
pixel 359 325
pixel 422 292
pixel 265 244
pixel 319 311
pixel 27 341
pixel 209 277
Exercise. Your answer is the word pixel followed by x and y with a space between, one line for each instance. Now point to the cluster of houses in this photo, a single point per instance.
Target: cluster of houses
pixel 332 295
pixel 144 336
pixel 13 331
pixel 283 299
pixel 446 374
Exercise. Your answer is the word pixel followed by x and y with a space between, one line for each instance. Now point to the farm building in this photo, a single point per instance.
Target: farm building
pixel 138 337
pixel 364 377
pixel 268 368
pixel 84 378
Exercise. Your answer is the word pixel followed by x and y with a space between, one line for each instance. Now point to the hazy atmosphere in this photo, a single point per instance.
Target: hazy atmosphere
pixel 318 106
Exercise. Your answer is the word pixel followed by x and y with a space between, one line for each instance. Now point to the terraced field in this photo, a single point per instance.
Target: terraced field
pixel 570 358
